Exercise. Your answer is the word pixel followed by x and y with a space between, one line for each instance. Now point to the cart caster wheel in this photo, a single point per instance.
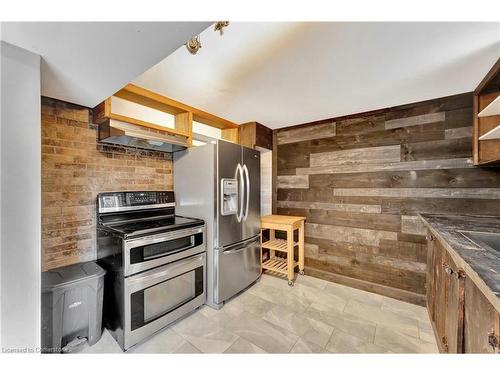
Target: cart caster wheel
pixel 301 272
pixel 290 283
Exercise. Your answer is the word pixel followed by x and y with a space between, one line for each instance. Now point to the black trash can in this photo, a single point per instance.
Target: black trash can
pixel 71 306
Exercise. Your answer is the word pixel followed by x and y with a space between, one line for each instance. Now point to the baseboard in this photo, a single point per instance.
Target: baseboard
pixel 399 294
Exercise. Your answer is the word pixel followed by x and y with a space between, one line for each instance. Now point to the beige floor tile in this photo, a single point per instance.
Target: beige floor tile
pixel 166 341
pixel 280 297
pixel 426 333
pixel 311 282
pixel 311 295
pixel 372 313
pixel 405 309
pixel 302 346
pixel 270 337
pixel 398 342
pixel 274 281
pixel 186 348
pixel 341 342
pixel 348 323
pixel 244 346
pixel 106 345
pixel 355 294
pixel 309 329
pixel 207 335
pixel 310 317
pixel 222 316
pixel 317 335
pixel 249 302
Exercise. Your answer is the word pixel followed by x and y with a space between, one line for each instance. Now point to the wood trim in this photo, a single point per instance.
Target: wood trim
pixel 231 135
pixel 149 98
pixel 475 129
pixel 107 107
pixel 461 312
pixel 497 331
pixel 485 152
pixel 370 113
pixel 488 151
pixel 101 112
pixel 487 78
pixel 184 123
pixel 146 124
pixel 274 168
pixel 441 347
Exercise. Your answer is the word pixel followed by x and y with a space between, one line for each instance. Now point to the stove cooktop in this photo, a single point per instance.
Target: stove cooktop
pixel 147 227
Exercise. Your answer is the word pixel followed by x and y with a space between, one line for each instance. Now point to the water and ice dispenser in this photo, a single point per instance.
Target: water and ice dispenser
pixel 229 192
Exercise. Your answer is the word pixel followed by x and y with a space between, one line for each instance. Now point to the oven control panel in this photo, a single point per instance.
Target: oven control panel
pixel 131 200
pixel 141 198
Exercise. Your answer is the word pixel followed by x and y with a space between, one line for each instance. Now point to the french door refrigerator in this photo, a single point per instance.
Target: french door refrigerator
pixel 220 183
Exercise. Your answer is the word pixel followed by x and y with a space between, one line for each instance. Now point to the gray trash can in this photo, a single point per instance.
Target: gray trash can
pixel 71 306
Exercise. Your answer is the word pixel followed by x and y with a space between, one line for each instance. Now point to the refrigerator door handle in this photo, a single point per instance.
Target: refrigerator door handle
pixel 239 173
pixel 238 250
pixel 247 190
pixel 240 245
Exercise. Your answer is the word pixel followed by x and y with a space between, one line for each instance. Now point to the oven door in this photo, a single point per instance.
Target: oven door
pixel 141 254
pixel 156 298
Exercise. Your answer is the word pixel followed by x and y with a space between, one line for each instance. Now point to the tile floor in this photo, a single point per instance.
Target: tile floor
pixel 314 316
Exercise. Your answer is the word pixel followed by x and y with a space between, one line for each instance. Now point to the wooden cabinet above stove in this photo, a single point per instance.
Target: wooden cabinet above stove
pixel 486 125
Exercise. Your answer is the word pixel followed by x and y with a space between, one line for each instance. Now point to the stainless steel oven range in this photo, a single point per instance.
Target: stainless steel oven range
pixel 155 263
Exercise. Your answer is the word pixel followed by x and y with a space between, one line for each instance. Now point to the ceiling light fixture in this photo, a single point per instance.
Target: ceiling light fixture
pixel 219 26
pixel 193 45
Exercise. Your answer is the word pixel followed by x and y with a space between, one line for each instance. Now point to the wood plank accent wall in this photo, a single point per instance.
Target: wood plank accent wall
pixel 75 168
pixel 361 180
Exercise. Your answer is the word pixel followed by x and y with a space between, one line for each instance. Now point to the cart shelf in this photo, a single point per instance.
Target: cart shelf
pixel 277 244
pixel 277 264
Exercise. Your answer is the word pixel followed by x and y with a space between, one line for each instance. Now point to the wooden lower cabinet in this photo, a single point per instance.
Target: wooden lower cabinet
pixel 464 321
pixel 443 299
pixel 454 325
pixel 440 296
pixel 481 321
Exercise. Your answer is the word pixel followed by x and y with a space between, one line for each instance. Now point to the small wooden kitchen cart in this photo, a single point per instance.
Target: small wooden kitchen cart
pixel 275 262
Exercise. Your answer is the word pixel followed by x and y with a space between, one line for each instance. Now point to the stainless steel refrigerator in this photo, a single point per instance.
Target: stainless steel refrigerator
pixel 220 183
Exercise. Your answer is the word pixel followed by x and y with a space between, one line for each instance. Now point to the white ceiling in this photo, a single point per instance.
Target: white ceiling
pixel 85 62
pixel 283 74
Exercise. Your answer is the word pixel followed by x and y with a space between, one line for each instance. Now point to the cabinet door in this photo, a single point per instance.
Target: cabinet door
pixel 441 295
pixel 430 280
pixel 454 325
pixel 480 320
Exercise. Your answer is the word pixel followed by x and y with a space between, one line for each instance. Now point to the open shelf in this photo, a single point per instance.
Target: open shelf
pixel 491 109
pixel 277 264
pixel 277 244
pixel 492 134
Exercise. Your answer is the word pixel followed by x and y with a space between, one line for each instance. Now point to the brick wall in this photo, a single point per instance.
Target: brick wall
pixel 75 168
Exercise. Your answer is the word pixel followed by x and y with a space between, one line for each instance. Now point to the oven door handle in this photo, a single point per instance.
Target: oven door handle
pixel 154 276
pixel 171 252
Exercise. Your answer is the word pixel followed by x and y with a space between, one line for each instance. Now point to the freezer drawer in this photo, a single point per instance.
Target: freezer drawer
pixel 238 267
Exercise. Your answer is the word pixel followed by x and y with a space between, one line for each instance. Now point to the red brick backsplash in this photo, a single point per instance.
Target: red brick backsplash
pixel 75 168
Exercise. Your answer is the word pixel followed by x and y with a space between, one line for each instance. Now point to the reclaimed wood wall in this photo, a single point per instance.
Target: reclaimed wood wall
pixel 361 180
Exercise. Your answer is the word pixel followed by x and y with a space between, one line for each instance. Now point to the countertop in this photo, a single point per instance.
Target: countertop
pixel 480 264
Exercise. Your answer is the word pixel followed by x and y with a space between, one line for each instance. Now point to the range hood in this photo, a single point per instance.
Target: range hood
pixel 126 134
